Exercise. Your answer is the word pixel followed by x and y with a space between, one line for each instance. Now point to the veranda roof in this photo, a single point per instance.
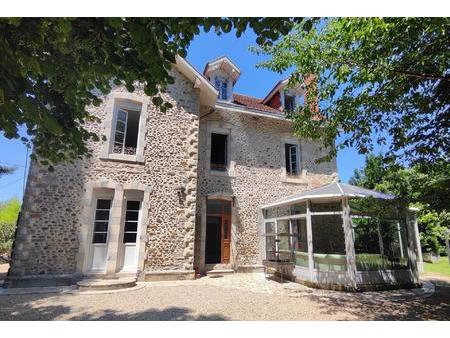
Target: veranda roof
pixel 335 189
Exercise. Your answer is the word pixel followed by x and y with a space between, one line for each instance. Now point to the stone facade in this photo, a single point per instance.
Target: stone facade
pixel 47 241
pixel 255 177
pixel 54 230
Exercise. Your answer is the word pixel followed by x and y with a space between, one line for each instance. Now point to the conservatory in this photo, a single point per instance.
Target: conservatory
pixel 338 237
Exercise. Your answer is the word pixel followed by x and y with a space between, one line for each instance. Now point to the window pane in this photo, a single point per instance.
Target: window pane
pixel 103 204
pixel 328 242
pixel 214 206
pixel 289 102
pixel 284 243
pixel 131 226
pixel 270 227
pixel 394 244
pixel 99 237
pixel 326 206
pixel 284 211
pixel 100 226
pixel 121 115
pixel 300 242
pixel 119 137
pixel 367 246
pixel 218 151
pixel 270 213
pixel 129 237
pixel 133 205
pixel 291 154
pixel 283 226
pixel 120 127
pixel 132 216
pixel 132 129
pixel 102 215
pixel 226 207
pixel 270 248
pixel 298 209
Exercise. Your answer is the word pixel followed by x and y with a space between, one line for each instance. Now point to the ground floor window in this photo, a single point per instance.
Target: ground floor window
pixel 131 222
pixel 300 242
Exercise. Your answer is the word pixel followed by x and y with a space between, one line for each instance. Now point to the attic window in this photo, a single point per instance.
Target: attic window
pixel 126 132
pixel 289 102
pixel 221 85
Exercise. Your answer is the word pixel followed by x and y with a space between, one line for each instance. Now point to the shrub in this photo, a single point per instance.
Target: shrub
pixel 9 211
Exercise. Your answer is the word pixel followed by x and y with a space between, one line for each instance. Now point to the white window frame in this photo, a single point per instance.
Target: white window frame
pixel 127 102
pixel 300 177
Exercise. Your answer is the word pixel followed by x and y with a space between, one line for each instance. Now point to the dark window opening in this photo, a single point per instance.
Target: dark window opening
pixel 219 145
pixel 101 221
pixel 289 103
pixel 126 133
pixel 131 222
pixel 291 154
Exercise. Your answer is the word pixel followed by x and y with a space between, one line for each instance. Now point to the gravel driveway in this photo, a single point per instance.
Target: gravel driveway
pixel 236 297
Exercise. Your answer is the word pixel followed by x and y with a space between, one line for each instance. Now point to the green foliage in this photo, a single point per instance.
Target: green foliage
pixel 372 75
pixel 52 68
pixel 9 212
pixel 4 170
pixel 423 187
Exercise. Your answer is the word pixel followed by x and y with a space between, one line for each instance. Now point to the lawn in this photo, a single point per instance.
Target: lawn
pixel 443 267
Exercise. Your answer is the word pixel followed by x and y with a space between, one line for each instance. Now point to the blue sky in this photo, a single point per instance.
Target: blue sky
pixel 206 47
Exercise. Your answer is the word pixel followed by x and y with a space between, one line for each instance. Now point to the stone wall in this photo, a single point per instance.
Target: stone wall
pixel 257 178
pixel 47 237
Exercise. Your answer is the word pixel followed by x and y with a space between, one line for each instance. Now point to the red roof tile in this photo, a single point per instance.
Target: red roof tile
pixel 253 102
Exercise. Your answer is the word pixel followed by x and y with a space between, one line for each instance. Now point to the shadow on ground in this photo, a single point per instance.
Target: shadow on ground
pixel 389 306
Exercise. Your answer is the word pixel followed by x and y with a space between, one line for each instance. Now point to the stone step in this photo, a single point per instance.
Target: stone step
pixel 217 272
pixel 106 284
pixel 218 266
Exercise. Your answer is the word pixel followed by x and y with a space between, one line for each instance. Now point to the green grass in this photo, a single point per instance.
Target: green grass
pixel 443 267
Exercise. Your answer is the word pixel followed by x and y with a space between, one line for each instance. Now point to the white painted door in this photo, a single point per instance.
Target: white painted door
pixel 130 236
pixel 99 247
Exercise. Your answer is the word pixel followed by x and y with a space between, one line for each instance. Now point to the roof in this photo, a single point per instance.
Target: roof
pixel 208 94
pixel 253 102
pixel 335 189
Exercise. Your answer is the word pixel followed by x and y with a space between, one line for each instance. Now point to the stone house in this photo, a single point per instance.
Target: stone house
pixel 168 193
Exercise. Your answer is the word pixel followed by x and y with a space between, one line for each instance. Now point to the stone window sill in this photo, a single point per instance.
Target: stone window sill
pixel 123 158
pixel 226 173
pixel 293 179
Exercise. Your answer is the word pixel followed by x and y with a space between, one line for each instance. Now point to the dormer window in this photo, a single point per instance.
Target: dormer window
pixel 221 85
pixel 289 102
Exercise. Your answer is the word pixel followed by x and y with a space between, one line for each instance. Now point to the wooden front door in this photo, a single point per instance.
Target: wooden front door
pixel 218 232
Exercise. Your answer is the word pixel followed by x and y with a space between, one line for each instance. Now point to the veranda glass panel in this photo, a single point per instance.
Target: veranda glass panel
pixel 367 244
pixel 299 208
pixel 270 213
pixel 328 243
pixel 300 242
pixel 394 247
pixel 326 206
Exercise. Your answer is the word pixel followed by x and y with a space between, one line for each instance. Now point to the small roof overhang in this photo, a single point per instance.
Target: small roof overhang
pixel 208 94
pixel 224 64
pixel 331 190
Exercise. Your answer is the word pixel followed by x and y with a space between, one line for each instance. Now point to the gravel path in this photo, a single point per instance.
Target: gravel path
pixel 237 297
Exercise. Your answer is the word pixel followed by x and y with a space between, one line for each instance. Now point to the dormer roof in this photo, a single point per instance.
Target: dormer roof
pixel 279 86
pixel 225 65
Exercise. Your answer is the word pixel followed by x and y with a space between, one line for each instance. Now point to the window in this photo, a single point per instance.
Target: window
pixel 328 243
pixel 300 242
pixel 221 85
pixel 219 149
pixel 101 221
pixel 289 103
pixel 126 132
pixel 291 153
pixel 131 222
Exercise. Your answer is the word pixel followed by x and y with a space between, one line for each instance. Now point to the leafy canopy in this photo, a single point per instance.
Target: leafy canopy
pixel 52 68
pixel 386 78
pixel 426 189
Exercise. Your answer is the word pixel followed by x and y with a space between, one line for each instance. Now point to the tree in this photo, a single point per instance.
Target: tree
pixel 386 78
pixel 5 170
pixel 413 186
pixel 9 211
pixel 52 68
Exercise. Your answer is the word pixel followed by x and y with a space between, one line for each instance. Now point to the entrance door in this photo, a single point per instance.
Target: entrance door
pixel 130 231
pixel 218 232
pixel 100 235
